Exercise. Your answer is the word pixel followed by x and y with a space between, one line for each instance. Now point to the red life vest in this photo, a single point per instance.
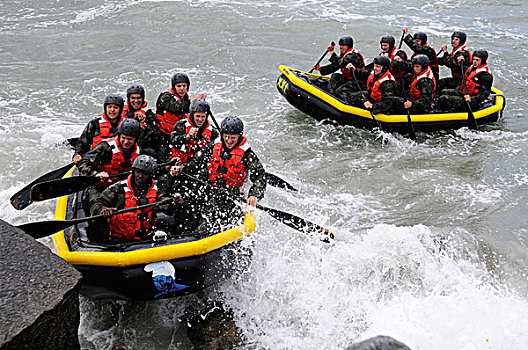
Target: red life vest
pixel 104 129
pixel 373 86
pixel 228 172
pixel 142 109
pixel 433 63
pixel 472 86
pixel 456 72
pixel 347 73
pixel 394 71
pixel 135 224
pixel 117 165
pixel 168 119
pixel 187 151
pixel 415 93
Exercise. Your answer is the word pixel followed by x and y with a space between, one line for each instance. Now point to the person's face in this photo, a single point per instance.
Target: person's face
pixel 112 111
pixel 418 41
pixel 136 101
pixel 343 48
pixel 385 47
pixel 181 88
pixel 141 178
pixel 455 41
pixel 377 68
pixel 126 141
pixel 199 118
pixel 477 61
pixel 417 68
pixel 230 140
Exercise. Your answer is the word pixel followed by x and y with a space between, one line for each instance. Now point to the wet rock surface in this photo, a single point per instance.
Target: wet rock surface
pixel 39 298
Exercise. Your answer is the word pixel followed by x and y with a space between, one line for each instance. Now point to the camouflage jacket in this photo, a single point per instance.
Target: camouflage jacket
pixel 167 102
pixel 100 155
pixel 452 62
pixel 90 131
pixel 337 63
pixel 423 105
pixel 114 197
pixel 197 166
pixel 178 135
pixel 485 80
pixel 421 49
pixel 387 89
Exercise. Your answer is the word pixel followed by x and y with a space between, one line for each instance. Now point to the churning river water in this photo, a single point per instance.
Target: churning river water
pixel 432 236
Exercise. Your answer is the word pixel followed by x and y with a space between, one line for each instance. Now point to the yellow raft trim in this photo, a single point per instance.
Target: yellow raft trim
pixel 396 118
pixel 147 255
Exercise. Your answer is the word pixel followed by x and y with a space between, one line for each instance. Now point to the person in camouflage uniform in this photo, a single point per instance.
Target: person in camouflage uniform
pixel 171 107
pixel 342 84
pixel 112 156
pixel 418 44
pixel 224 165
pixel 136 108
pixel 101 127
pixel 138 189
pixel 421 92
pixel 479 81
pixel 381 87
pixel 452 60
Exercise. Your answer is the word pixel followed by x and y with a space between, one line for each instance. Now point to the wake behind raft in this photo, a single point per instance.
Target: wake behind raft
pixel 149 270
pixel 306 92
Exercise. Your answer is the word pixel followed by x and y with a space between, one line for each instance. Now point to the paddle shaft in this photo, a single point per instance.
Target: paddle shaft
pixel 321 58
pixel 291 220
pixel 412 135
pixel 274 180
pixel 472 122
pixel 401 41
pixel 41 229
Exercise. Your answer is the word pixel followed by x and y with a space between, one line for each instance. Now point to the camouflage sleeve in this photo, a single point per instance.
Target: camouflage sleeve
pixel 405 66
pixel 257 174
pixel 112 197
pixel 415 47
pixel 362 75
pixel 167 102
pixel 85 141
pixel 452 62
pixel 387 88
pixel 164 192
pixel 89 165
pixel 178 135
pixel 486 82
pixel 332 67
pixel 426 87
pixel 353 58
pixel 197 165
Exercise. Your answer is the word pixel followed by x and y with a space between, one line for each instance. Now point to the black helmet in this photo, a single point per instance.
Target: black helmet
pixel 347 40
pixel 382 61
pixel 129 127
pixel 389 39
pixel 145 163
pixel 114 99
pixel 422 36
pixel 483 54
pixel 232 125
pixel 199 105
pixel 180 78
pixel 422 60
pixel 461 35
pixel 136 89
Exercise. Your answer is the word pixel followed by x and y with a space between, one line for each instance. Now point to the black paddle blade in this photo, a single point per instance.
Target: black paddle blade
pixel 21 199
pixel 73 141
pixel 60 187
pixel 298 223
pixel 40 229
pixel 276 181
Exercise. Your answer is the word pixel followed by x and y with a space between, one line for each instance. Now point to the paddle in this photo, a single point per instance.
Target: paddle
pixel 22 198
pixel 60 187
pixel 412 135
pixel 273 180
pixel 41 229
pixel 73 141
pixel 320 59
pixel 472 122
pixel 288 219
pixel 401 40
pixel 364 97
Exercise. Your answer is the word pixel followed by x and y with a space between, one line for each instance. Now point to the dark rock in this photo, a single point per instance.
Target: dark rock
pixel 381 342
pixel 213 329
pixel 39 298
